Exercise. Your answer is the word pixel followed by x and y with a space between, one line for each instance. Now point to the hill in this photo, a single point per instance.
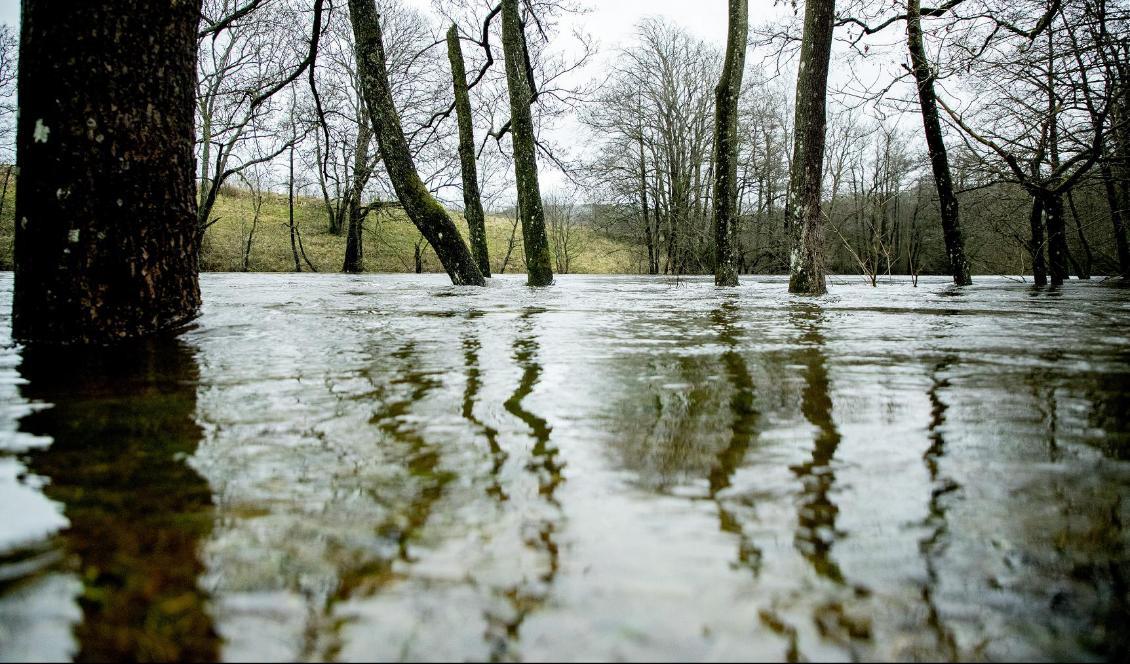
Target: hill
pixel 389 239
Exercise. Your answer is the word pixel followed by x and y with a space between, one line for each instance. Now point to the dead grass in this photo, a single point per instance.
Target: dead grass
pixel 389 240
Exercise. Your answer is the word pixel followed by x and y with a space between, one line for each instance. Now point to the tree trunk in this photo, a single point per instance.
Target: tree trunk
pixel 511 243
pixel 939 159
pixel 290 212
pixel 1116 215
pixel 726 142
pixel 1057 237
pixel 1084 270
pixel 806 262
pixel 424 211
pixel 105 245
pixel 472 202
pixel 1036 247
pixel 354 251
pixel 535 244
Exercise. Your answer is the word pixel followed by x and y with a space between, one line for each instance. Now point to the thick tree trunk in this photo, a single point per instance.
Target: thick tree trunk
pixel 424 211
pixel 535 244
pixel 354 251
pixel 806 261
pixel 939 159
pixel 1036 246
pixel 1057 237
pixel 472 201
pixel 726 145
pixel 105 245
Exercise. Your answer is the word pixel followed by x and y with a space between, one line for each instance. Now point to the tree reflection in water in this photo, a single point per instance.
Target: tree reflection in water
pixel 122 425
pixel 525 597
pixel 816 517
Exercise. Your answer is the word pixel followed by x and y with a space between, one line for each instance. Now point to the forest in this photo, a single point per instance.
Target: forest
pixel 538 330
pixel 632 156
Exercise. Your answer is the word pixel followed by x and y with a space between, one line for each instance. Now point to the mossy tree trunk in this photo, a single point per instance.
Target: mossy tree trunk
pixel 936 146
pixel 726 145
pixel 806 260
pixel 424 211
pixel 472 200
pixel 539 271
pixel 105 245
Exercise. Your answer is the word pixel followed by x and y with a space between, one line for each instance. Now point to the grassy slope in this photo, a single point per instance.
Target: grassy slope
pixel 389 240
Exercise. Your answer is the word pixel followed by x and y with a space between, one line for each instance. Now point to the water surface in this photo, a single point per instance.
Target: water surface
pixel 387 467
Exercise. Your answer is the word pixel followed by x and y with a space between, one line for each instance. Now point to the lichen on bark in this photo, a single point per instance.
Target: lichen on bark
pixel 106 247
pixel 472 201
pixel 425 212
pixel 805 220
pixel 539 271
pixel 726 145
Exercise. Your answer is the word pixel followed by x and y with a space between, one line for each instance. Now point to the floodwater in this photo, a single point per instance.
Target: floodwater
pixel 387 467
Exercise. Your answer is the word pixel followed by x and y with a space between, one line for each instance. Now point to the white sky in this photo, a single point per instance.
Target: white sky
pixel 10 12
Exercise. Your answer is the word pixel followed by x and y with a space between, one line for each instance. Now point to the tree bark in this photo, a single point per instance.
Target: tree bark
pixel 290 211
pixel 1084 270
pixel 354 250
pixel 939 159
pixel 1036 247
pixel 105 245
pixel 539 271
pixel 424 211
pixel 1057 237
pixel 1116 214
pixel 726 145
pixel 472 201
pixel 806 261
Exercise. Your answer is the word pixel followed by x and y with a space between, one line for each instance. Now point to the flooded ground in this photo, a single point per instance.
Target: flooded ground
pixel 386 467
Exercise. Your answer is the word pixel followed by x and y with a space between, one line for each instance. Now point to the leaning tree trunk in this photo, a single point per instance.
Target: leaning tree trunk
pixel 539 272
pixel 939 160
pixel 726 145
pixel 472 202
pixel 424 211
pixel 806 262
pixel 105 245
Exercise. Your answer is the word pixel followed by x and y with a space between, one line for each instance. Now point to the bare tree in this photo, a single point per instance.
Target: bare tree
pixel 563 216
pixel 804 216
pixel 425 212
pixel 472 202
pixel 726 145
pixel 519 83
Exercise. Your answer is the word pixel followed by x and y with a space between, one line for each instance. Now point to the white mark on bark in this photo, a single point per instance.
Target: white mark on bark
pixel 72 236
pixel 41 132
pixel 23 222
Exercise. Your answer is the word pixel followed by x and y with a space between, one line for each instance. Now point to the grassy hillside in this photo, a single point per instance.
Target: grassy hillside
pixel 389 240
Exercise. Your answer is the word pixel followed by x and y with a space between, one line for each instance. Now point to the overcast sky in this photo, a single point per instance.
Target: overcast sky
pixel 611 21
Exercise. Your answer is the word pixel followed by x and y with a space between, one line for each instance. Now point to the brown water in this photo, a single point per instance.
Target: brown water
pixel 386 467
